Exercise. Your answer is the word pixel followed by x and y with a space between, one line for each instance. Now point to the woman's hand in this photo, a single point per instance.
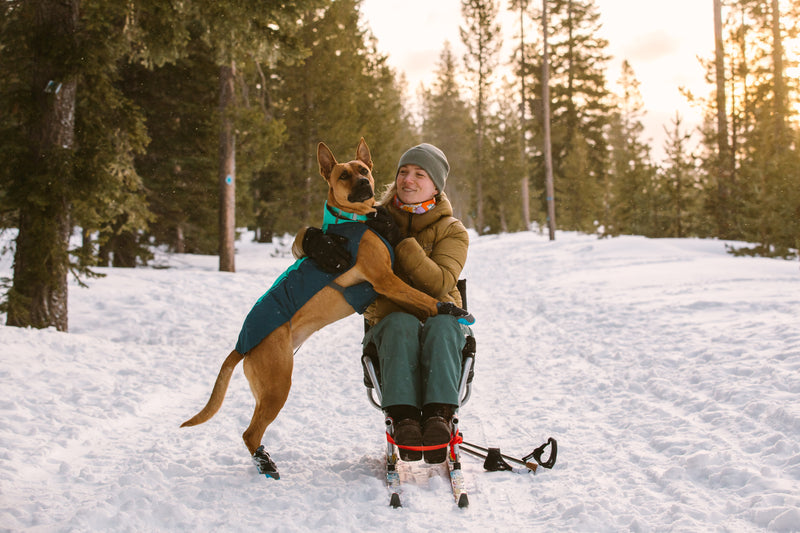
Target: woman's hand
pixel 385 226
pixel 327 250
pixel 449 308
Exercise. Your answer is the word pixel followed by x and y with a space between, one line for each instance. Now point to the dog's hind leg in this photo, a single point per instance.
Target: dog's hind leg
pixel 268 368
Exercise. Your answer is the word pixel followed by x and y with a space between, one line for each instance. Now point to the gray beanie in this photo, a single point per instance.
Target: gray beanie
pixel 429 158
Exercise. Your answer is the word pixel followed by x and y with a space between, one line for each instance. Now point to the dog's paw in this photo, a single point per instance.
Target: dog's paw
pixel 449 308
pixel 264 464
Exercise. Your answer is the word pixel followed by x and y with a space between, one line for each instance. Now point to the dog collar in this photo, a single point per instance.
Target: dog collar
pixel 334 215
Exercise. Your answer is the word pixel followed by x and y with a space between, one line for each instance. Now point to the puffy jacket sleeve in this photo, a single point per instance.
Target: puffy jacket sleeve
pixel 436 271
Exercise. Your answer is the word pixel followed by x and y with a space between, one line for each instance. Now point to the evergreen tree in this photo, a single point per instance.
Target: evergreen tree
pixel 521 60
pixel 42 157
pixel 762 201
pixel 69 141
pixel 722 162
pixel 384 116
pixel 482 38
pixel 447 123
pixel 580 112
pixel 503 168
pixel 237 33
pixel 677 199
pixel 179 166
pixel 629 185
pixel 342 91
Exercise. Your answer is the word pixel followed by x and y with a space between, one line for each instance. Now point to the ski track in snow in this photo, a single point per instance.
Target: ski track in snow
pixel 667 370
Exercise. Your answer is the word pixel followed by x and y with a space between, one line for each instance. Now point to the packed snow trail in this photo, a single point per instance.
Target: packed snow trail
pixel 668 370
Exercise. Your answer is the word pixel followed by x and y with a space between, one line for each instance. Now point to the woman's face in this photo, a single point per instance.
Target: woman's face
pixel 414 185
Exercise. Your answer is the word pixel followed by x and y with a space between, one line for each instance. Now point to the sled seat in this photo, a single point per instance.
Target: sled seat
pixel 372 372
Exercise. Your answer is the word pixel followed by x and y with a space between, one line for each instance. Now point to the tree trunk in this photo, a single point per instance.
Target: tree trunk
pixel 777 65
pixel 38 296
pixel 724 172
pixel 180 240
pixel 479 218
pixel 523 155
pixel 548 151
pixel 227 171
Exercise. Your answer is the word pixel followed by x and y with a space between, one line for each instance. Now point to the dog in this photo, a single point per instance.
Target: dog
pixel 268 357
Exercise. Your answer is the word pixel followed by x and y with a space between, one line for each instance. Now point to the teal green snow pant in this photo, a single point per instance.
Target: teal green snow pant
pixel 419 363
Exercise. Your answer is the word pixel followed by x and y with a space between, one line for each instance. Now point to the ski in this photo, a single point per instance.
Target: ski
pixel 394 482
pixel 458 485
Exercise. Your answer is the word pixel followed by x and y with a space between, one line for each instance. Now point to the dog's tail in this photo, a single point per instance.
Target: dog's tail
pixel 218 394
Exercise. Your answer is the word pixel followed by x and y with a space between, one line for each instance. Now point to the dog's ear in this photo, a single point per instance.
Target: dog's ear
pixel 326 160
pixel 362 153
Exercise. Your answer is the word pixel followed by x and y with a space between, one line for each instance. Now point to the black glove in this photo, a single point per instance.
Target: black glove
pixel 327 250
pixel 383 223
pixel 449 308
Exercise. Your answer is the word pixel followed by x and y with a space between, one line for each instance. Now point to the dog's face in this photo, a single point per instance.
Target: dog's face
pixel 350 185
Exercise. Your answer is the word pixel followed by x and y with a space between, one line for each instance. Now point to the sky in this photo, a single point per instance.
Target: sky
pixel 661 41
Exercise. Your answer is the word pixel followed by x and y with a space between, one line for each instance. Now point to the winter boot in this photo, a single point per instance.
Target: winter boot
pixel 407 431
pixel 437 430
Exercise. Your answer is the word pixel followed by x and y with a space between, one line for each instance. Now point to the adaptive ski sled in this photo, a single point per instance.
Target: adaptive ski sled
pixel 493 459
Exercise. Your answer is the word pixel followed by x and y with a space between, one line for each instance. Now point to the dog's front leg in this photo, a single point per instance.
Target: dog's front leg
pixel 374 265
pixel 412 300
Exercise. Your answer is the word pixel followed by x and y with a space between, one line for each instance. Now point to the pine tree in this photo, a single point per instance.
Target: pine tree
pixel 503 167
pixel 482 38
pixel 762 203
pixel 179 167
pixel 580 111
pixel 723 161
pixel 385 119
pixel 44 169
pixel 447 123
pixel 237 33
pixel 521 61
pixel 676 200
pixel 342 91
pixel 629 186
pixel 70 138
pixel 69 143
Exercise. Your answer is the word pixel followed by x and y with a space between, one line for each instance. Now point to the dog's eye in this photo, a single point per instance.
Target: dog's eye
pixel 344 176
pixel 363 171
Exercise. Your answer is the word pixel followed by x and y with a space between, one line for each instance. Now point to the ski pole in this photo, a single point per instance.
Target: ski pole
pixel 495 458
pixel 493 462
pixel 525 461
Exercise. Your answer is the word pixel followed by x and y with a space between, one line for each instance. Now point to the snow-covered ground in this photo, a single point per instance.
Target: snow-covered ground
pixel 668 370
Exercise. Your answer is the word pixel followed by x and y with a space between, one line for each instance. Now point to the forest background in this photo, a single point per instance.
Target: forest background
pixel 168 123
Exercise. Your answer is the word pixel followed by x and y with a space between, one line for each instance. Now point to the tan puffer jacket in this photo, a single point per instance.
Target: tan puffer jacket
pixel 432 261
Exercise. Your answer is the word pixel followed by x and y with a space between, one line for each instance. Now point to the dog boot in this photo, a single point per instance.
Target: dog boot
pixel 436 430
pixel 407 431
pixel 264 464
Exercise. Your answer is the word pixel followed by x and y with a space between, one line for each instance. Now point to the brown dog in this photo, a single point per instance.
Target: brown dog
pixel 268 366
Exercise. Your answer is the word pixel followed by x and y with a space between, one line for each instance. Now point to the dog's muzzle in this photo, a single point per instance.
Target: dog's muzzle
pixel 362 191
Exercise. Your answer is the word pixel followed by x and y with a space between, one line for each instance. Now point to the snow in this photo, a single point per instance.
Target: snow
pixel 668 371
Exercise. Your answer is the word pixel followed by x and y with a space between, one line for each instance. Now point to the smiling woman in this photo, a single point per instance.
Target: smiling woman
pixel 420 362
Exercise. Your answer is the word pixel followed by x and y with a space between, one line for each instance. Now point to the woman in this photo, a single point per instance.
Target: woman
pixel 420 363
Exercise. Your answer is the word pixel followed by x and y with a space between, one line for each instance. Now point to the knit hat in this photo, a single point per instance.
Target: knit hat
pixel 429 158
